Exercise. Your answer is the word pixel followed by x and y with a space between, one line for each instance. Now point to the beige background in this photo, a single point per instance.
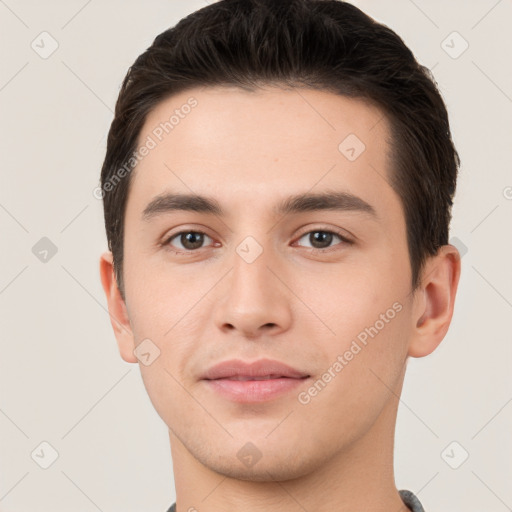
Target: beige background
pixel 62 380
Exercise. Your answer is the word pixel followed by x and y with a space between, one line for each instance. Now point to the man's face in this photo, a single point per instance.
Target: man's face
pixel 260 284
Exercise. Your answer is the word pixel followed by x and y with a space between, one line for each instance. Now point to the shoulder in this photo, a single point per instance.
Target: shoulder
pixel 408 497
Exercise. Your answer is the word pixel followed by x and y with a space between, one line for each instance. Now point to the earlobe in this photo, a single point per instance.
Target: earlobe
pixel 434 301
pixel 117 309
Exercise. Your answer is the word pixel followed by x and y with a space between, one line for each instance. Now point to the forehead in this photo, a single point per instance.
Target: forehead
pixel 225 140
pixel 220 114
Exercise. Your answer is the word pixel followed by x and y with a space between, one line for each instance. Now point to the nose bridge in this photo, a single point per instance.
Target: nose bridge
pixel 250 275
pixel 254 298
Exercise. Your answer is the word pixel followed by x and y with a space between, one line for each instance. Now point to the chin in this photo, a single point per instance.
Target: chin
pixel 260 472
pixel 277 465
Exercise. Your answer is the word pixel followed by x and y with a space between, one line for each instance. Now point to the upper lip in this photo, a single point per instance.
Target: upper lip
pixel 259 368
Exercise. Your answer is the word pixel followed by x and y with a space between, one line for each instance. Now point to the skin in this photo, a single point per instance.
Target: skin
pixel 301 306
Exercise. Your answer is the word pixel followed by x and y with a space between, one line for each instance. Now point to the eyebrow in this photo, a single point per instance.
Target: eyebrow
pixel 307 202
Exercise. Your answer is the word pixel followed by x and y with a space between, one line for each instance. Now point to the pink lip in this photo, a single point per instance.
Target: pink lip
pixel 280 378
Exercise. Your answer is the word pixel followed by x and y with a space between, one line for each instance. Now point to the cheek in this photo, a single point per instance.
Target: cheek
pixel 367 360
pixel 352 296
pixel 158 297
pixel 367 316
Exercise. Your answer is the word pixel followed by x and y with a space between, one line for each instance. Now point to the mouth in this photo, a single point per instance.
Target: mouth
pixel 260 381
pixel 246 377
pixel 256 370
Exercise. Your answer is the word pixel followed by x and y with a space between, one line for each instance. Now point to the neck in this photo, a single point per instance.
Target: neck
pixel 358 478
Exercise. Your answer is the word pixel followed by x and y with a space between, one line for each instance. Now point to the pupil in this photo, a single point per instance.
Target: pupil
pixel 192 240
pixel 322 238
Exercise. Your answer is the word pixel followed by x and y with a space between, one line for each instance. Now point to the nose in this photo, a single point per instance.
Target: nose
pixel 253 301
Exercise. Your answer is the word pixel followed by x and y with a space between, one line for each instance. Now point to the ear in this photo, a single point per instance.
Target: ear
pixel 434 301
pixel 117 309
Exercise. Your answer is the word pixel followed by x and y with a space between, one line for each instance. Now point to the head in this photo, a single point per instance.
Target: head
pixel 251 104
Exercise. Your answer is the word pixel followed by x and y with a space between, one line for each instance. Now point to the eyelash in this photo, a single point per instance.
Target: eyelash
pixel 189 252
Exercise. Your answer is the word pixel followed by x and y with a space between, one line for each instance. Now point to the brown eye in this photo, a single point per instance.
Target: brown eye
pixel 322 239
pixel 189 240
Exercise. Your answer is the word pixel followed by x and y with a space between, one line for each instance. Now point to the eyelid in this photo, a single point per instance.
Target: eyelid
pixel 342 234
pixel 166 240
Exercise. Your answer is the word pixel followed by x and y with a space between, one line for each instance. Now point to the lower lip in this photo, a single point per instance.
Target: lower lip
pixel 254 390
